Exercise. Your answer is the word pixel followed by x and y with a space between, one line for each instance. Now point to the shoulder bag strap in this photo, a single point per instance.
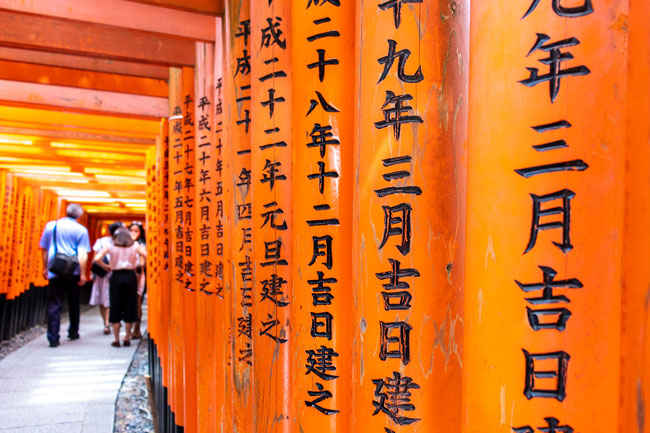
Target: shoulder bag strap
pixel 54 238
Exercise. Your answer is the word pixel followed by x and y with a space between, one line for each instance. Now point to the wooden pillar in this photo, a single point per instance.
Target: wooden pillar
pixel 176 216
pixel 322 124
pixel 190 254
pixel 545 216
pixel 635 305
pixel 223 309
pixel 237 184
pixel 164 343
pixel 409 216
pixel 271 173
pixel 5 181
pixel 152 222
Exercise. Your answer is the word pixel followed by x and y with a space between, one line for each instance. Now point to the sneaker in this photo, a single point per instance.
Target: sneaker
pixel 73 337
pixel 54 343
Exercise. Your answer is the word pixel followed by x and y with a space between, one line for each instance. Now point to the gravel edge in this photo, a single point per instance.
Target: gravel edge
pixel 132 410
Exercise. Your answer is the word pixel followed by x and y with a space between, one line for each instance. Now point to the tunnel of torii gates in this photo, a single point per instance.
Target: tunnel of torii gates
pixel 405 216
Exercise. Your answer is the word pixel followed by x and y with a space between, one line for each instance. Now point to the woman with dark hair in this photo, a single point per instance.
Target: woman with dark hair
pixel 124 255
pixel 100 294
pixel 138 235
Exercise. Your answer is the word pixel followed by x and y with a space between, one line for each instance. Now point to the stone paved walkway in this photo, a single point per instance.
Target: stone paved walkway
pixel 69 389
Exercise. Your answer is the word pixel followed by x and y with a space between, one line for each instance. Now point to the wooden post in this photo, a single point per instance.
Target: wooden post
pixel 190 254
pixel 545 216
pixel 237 183
pixel 635 300
pixel 176 216
pixel 409 194
pixel 321 304
pixel 271 214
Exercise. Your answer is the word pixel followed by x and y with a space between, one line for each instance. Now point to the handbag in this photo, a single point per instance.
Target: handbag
pixel 98 270
pixel 61 264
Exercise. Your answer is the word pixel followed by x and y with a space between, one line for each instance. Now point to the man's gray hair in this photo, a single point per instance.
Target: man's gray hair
pixel 74 210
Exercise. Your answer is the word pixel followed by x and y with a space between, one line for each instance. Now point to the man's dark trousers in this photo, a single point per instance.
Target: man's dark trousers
pixel 58 288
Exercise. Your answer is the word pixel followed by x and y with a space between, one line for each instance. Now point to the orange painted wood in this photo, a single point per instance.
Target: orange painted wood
pixel 153 241
pixel 200 6
pixel 323 142
pixel 208 214
pixel 271 171
pixel 11 200
pixel 18 71
pixel 5 200
pixel 96 101
pixel 57 135
pixel 82 122
pixel 84 63
pixel 222 417
pixel 408 206
pixel 190 254
pixel 635 320
pixel 237 178
pixel 14 283
pixel 166 239
pixel 500 340
pixel 177 235
pixel 121 13
pixel 25 31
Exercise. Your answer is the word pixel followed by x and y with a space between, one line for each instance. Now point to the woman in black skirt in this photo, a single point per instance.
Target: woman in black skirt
pixel 123 284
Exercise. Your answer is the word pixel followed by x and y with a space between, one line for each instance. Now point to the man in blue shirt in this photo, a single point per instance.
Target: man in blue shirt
pixel 72 240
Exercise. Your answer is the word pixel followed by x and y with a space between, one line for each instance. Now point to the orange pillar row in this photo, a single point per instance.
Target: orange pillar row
pixel 271 214
pixel 177 271
pixel 545 233
pixel 5 181
pixel 238 207
pixel 153 238
pixel 321 302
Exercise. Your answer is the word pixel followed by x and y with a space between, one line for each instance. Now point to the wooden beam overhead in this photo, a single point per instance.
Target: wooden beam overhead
pixel 14 71
pixel 93 123
pixel 121 13
pixel 83 99
pixel 84 63
pixel 74 135
pixel 93 40
pixel 213 7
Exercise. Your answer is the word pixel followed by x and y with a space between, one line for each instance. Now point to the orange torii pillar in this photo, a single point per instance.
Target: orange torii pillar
pixel 323 117
pixel 271 173
pixel 5 183
pixel 177 271
pixel 210 240
pixel 152 217
pixel 409 217
pixel 15 248
pixel 635 338
pixel 545 216
pixel 237 185
pixel 190 254
pixel 164 343
pixel 222 322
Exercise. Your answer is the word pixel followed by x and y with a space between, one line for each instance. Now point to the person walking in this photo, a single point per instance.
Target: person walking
pixel 123 283
pixel 137 233
pixel 100 293
pixel 64 251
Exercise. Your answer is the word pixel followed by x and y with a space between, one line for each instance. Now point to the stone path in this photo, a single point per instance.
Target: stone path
pixel 69 389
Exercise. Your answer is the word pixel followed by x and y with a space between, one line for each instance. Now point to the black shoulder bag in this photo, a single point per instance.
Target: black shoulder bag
pixel 61 264
pixel 98 269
